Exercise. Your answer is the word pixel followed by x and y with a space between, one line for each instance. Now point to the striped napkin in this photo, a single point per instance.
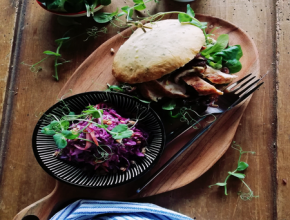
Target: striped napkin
pixel 111 210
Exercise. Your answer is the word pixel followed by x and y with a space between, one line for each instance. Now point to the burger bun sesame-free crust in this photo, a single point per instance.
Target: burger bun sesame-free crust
pixel 148 56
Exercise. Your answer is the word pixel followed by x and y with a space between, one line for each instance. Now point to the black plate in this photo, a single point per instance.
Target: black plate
pixel 44 146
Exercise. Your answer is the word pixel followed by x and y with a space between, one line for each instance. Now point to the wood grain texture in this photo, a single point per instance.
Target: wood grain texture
pixel 193 163
pixel 7 44
pixel 24 182
pixel 283 108
pixel 8 18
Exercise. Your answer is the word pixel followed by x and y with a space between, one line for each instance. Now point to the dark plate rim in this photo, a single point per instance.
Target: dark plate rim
pixel 34 145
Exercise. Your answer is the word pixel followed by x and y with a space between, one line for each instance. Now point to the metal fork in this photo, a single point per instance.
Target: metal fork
pixel 233 95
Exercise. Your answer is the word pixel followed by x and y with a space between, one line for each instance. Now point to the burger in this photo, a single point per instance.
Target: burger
pixel 167 61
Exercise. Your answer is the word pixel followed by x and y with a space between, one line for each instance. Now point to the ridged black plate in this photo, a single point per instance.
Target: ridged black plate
pixel 44 146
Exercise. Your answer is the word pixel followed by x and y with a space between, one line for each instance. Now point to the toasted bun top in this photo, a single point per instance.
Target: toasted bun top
pixel 166 47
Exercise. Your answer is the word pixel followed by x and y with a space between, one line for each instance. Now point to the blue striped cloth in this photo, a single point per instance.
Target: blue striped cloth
pixel 111 210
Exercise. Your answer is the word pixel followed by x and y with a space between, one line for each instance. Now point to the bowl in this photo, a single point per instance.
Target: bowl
pixel 67 14
pixel 44 146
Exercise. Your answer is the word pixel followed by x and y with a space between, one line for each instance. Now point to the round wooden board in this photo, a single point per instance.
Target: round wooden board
pixel 94 74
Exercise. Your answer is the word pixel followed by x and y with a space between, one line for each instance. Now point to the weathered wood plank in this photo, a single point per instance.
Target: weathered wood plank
pixel 8 24
pixel 283 108
pixel 8 19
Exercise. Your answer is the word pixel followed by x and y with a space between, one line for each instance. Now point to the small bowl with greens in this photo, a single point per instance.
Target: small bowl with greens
pixel 73 8
pixel 98 139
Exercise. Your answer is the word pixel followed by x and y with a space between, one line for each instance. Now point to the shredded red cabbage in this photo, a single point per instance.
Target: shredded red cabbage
pixel 95 148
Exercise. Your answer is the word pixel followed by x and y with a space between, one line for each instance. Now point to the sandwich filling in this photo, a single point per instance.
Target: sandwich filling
pixel 168 61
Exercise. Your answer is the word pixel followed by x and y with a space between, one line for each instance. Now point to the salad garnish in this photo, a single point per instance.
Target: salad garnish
pixel 98 138
pixel 242 166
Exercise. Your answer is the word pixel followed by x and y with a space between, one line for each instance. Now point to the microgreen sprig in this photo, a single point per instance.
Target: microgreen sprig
pixel 125 88
pixel 189 17
pixel 104 17
pixel 91 32
pixel 56 56
pixel 242 166
pixel 58 128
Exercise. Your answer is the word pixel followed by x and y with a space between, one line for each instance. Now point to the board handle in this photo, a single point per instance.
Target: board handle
pixel 42 209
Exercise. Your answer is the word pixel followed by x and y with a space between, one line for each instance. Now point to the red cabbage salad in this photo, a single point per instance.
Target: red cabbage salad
pixel 98 138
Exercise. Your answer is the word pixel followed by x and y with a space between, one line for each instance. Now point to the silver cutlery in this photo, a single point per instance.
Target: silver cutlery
pixel 233 95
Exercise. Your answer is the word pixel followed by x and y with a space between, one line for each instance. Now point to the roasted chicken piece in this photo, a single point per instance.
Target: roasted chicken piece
pixel 216 76
pixel 201 86
pixel 194 70
pixel 155 90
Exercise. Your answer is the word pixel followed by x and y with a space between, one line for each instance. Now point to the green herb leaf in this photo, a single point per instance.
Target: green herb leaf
pixel 103 17
pixel 96 113
pixel 69 134
pixel 239 175
pixel 54 125
pixel 169 105
pixel 220 44
pixel 218 184
pixel 242 166
pixel 140 7
pixel 129 11
pixel 215 65
pixel 217 59
pixel 190 11
pixel 121 14
pixel 144 101
pixel 121 131
pixel 115 87
pixel 102 126
pixel 51 53
pixel 61 40
pixel 189 17
pixel 182 17
pixel 201 25
pixel 231 56
pixel 64 125
pixel 138 1
pixel 60 140
pixel 120 128
pixel 47 130
pixel 115 12
pixel 218 56
pixel 234 66
pixel 56 5
pixel 124 134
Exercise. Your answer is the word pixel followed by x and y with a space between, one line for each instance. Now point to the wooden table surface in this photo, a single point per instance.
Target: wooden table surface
pixel 26 30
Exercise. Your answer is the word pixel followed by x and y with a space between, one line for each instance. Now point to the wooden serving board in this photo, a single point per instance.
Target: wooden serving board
pixel 94 74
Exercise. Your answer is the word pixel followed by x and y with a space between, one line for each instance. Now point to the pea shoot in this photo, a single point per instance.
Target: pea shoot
pixel 105 17
pixel 242 166
pixel 58 128
pixel 57 56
